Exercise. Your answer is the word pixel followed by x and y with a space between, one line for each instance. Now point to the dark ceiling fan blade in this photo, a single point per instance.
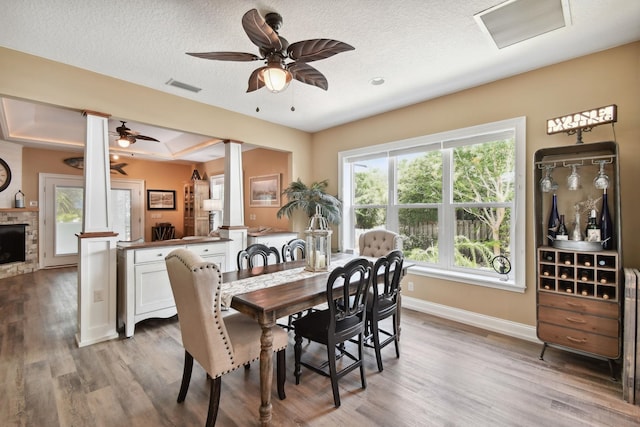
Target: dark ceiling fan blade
pixel 305 73
pixel 316 49
pixel 125 132
pixel 226 56
pixel 259 32
pixel 144 137
pixel 255 82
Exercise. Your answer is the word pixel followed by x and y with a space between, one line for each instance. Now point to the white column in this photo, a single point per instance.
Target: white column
pixel 233 185
pixel 97 243
pixel 233 219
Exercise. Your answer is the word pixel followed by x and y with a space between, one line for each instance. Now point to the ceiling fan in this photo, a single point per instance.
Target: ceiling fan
pixel 275 50
pixel 127 136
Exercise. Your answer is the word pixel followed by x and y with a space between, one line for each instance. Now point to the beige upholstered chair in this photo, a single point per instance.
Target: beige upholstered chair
pixel 377 243
pixel 218 344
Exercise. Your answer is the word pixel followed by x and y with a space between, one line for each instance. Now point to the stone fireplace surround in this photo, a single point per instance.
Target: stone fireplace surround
pixel 27 216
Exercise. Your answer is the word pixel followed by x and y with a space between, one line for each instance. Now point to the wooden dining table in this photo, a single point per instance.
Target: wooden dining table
pixel 268 304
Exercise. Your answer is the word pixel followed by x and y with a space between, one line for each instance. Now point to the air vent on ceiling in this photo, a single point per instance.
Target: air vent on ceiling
pixel 185 86
pixel 517 20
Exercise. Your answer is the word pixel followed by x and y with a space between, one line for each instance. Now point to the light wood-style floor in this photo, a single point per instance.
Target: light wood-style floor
pixel 448 375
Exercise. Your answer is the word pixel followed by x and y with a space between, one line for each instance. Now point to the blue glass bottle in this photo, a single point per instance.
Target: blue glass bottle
pixel 554 221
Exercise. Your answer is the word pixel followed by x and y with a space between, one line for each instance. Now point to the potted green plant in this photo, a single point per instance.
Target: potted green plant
pixel 306 198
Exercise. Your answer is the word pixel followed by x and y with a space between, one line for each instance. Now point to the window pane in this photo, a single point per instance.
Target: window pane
pixel 419 230
pixel 484 172
pixel 368 218
pixel 121 213
pixel 481 234
pixel 370 177
pixel 68 219
pixel 420 177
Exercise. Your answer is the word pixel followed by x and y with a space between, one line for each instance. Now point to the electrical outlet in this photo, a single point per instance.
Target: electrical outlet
pixel 410 286
pixel 33 203
pixel 98 295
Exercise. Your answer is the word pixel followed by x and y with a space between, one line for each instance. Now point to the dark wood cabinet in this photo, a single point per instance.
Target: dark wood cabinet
pixel 578 284
pixel 196 219
pixel 578 304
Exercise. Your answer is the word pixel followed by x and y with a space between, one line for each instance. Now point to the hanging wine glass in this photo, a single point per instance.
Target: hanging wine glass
pixel 601 181
pixel 573 180
pixel 547 183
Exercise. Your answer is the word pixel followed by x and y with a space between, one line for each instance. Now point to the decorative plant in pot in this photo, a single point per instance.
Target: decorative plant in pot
pixel 306 198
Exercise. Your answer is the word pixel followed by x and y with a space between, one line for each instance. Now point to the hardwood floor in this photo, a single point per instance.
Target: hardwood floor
pixel 448 375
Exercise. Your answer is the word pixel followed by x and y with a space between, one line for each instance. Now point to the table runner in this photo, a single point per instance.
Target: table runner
pixel 228 290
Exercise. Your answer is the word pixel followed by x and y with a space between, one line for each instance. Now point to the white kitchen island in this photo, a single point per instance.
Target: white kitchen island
pixel 144 290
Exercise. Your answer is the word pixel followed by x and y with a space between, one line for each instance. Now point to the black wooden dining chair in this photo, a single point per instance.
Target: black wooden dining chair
pixel 383 303
pixel 249 258
pixel 294 250
pixel 347 293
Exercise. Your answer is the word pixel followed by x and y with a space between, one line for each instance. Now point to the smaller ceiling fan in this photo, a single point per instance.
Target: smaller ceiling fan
pixel 275 50
pixel 127 136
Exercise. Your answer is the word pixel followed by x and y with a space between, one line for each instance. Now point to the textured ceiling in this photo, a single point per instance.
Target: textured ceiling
pixel 422 48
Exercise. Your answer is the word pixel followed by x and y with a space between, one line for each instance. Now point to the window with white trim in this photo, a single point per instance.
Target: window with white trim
pixel 457 199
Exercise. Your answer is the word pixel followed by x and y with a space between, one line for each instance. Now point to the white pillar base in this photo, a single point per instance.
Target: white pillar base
pixel 97 304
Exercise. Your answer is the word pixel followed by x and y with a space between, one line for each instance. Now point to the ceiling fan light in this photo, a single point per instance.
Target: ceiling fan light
pixel 276 79
pixel 123 142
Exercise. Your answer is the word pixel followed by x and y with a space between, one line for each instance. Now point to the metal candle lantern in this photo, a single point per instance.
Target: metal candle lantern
pixel 318 237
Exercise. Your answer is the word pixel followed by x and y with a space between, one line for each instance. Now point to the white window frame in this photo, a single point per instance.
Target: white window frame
pixel 516 280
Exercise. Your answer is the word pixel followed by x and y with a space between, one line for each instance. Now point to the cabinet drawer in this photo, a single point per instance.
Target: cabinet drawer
pixel 578 304
pixel 579 340
pixel 151 255
pixel 207 249
pixel 583 322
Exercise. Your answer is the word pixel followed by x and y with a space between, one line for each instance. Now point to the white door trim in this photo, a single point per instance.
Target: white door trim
pixel 46 238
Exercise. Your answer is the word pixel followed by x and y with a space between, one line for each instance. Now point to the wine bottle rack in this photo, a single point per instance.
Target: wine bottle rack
pixel 584 274
pixel 578 289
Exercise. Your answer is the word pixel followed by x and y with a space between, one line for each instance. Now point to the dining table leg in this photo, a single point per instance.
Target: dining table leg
pixel 266 367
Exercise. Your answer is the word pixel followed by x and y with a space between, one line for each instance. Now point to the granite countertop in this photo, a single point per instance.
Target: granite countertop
pixel 172 242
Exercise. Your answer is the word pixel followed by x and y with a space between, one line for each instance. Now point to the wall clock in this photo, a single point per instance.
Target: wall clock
pixel 5 175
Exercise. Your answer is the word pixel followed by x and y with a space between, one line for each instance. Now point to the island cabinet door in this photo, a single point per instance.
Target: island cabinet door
pixel 153 289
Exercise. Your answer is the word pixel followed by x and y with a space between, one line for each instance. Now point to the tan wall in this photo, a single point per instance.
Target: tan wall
pixel 259 162
pixel 167 176
pixel 170 176
pixel 609 77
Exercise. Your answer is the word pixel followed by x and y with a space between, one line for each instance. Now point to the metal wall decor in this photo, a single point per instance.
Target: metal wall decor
pixel 584 121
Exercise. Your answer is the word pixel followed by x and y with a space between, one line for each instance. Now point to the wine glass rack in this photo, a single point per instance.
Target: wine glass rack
pixel 578 291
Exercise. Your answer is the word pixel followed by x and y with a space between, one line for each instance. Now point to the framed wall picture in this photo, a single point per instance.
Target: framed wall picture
pixel 264 191
pixel 161 199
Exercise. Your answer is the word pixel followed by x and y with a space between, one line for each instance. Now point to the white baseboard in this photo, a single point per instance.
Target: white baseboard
pixel 494 324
